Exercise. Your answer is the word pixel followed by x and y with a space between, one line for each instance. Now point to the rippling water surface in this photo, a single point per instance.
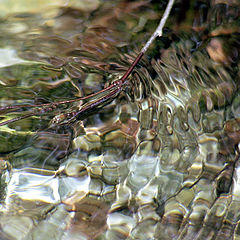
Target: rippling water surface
pixel 161 161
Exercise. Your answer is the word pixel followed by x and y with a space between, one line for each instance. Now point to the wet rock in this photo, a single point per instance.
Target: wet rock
pixel 90 219
pixel 216 52
pixel 87 143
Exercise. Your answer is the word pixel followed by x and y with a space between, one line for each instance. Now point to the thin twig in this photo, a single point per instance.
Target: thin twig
pixel 109 96
pixel 17 119
pixel 158 31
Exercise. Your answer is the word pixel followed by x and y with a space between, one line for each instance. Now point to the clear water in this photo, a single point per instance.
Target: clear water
pixel 158 162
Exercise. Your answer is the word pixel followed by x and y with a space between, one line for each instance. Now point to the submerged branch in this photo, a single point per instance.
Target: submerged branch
pixel 106 95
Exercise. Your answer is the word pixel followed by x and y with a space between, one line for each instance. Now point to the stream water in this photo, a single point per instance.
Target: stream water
pixel 160 162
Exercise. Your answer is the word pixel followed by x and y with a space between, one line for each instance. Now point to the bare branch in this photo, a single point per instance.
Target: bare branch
pixel 158 31
pixel 103 96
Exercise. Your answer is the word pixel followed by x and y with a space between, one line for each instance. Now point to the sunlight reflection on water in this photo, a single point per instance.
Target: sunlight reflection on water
pixel 158 162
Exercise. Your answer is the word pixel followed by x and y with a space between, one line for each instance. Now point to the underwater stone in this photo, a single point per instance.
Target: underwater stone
pixel 87 143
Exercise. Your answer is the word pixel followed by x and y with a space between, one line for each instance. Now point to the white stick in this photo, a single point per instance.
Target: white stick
pixel 158 31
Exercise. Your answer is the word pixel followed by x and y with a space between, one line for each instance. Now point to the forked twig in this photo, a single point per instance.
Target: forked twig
pixel 105 96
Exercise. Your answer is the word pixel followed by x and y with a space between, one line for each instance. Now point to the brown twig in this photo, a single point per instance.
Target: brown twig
pixel 115 88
